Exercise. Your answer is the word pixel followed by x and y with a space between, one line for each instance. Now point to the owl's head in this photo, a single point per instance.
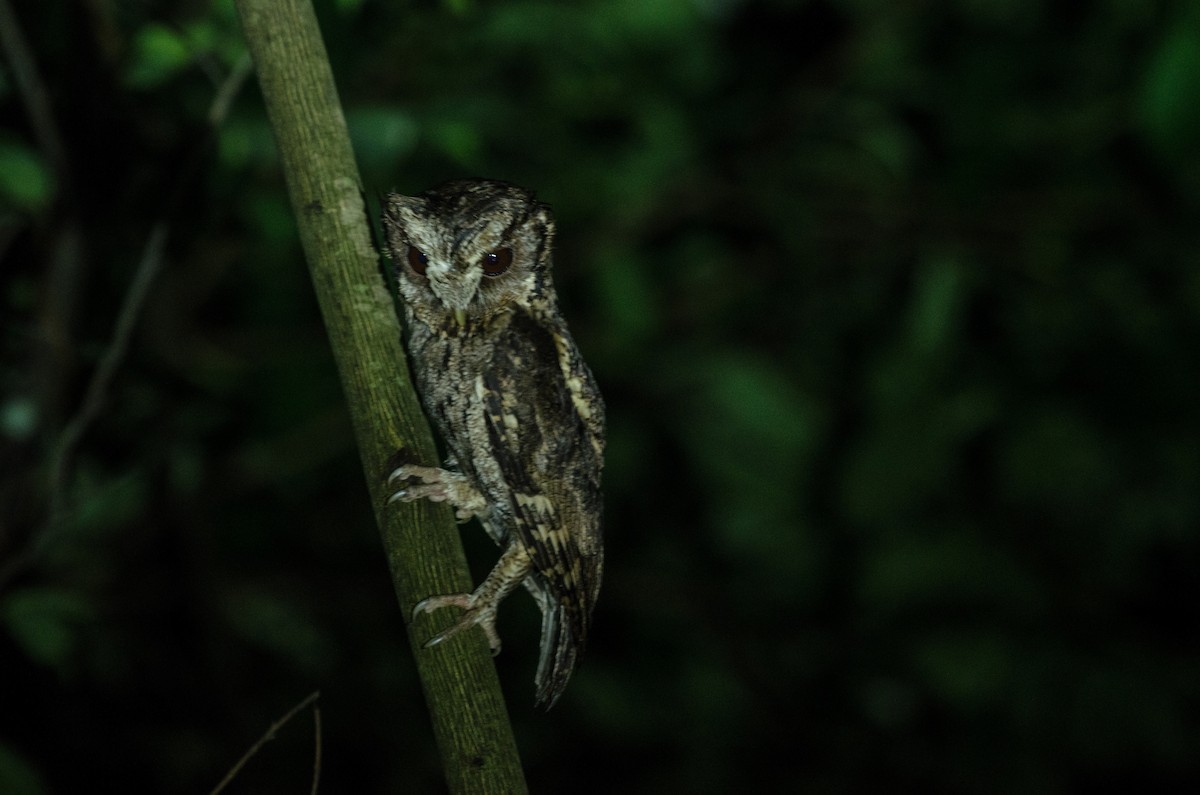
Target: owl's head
pixel 469 249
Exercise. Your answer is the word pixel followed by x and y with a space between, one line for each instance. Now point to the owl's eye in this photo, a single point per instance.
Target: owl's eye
pixel 417 261
pixel 497 262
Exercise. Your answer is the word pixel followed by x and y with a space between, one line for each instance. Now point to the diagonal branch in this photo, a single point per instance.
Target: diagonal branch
pixel 421 541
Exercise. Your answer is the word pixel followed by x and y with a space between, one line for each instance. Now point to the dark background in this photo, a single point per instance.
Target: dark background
pixel 895 307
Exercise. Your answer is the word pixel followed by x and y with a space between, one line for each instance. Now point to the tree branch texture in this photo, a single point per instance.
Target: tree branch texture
pixel 470 720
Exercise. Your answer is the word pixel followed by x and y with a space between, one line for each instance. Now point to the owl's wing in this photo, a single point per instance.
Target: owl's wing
pixel 545 423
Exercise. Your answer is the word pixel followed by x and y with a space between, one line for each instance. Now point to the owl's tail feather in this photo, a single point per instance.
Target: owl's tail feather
pixel 558 654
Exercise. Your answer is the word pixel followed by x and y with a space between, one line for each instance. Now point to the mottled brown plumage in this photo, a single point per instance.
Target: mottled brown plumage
pixel 520 412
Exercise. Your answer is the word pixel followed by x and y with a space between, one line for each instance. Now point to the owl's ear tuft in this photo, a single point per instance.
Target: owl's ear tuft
pixel 406 209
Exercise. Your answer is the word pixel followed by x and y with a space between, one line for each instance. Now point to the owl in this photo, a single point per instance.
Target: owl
pixel 518 409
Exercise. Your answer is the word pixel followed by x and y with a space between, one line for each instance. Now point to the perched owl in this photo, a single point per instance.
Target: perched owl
pixel 514 401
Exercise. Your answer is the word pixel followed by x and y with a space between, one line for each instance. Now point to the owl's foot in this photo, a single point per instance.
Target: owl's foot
pixel 414 482
pixel 509 572
pixel 478 614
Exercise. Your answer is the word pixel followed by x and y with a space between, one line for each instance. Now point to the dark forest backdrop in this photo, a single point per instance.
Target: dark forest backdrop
pixel 895 306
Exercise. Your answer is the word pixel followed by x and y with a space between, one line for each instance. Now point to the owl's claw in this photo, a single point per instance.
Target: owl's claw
pixel 476 614
pixel 414 482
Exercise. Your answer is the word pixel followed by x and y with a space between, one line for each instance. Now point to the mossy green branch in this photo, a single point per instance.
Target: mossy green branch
pixel 424 552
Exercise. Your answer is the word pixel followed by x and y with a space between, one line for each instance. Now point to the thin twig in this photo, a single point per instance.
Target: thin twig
pixel 67 261
pixel 32 90
pixel 114 354
pixel 93 401
pixel 270 735
pixel 228 90
pixel 316 748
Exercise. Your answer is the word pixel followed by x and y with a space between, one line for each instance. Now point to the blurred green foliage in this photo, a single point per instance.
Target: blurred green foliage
pixel 25 183
pixel 893 306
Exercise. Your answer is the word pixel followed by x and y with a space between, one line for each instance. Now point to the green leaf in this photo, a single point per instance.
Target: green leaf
pixel 624 292
pixel 25 182
pixel 936 310
pixel 19 418
pixel 1168 112
pixel 382 137
pixel 459 141
pixel 46 623
pixel 159 53
pixel 246 142
pixel 751 434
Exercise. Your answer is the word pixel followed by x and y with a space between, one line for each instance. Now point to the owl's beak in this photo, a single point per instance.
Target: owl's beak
pixel 452 289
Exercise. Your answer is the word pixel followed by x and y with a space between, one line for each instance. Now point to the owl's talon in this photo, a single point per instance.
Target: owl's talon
pixel 483 616
pixel 429 604
pixel 413 471
pixel 414 482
